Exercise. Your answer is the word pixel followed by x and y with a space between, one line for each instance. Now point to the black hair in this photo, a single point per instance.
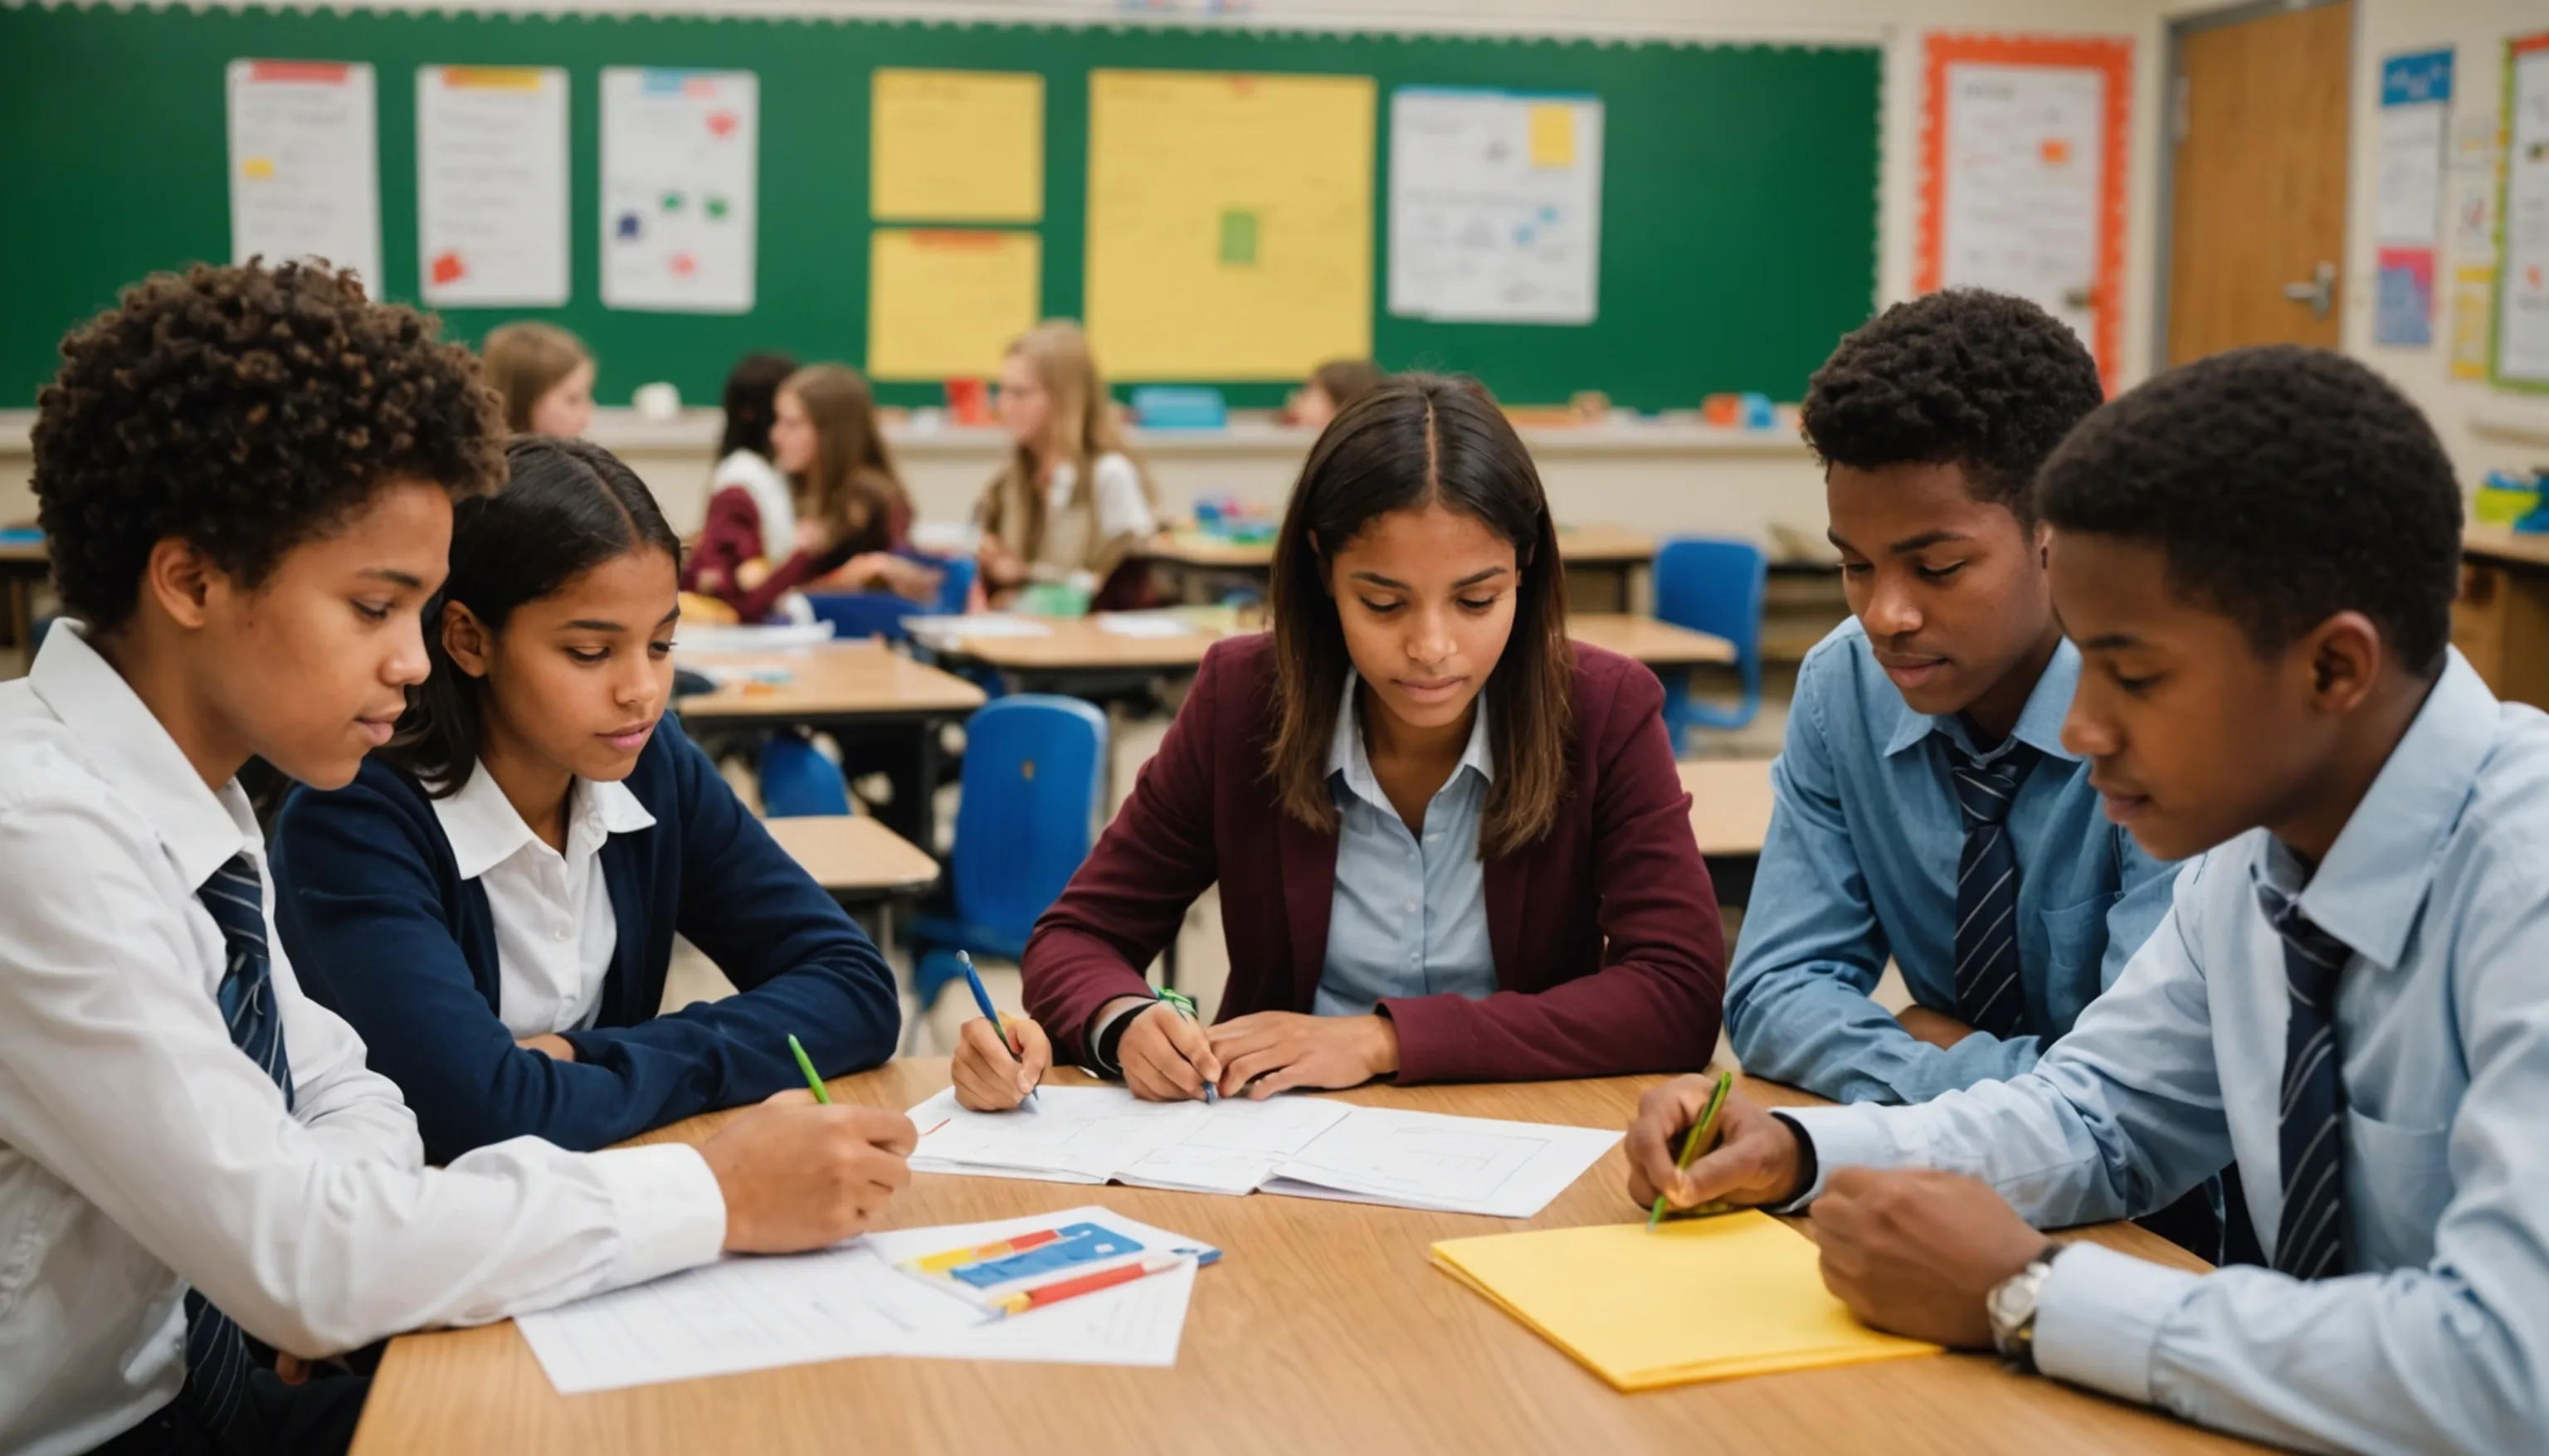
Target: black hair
pixel 2283 485
pixel 752 403
pixel 244 409
pixel 569 507
pixel 1966 377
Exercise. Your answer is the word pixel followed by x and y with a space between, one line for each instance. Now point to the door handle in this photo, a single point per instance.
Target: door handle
pixel 2319 291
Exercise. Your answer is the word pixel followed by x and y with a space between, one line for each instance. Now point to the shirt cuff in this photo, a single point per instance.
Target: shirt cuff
pixel 1098 1041
pixel 1851 1136
pixel 671 1212
pixel 2098 1319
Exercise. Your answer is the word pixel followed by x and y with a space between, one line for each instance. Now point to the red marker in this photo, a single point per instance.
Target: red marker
pixel 1027 1300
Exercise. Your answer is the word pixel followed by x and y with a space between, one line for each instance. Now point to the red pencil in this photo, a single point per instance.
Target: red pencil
pixel 1027 1300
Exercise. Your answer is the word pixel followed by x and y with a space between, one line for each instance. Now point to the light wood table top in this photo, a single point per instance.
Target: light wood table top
pixel 854 853
pixel 1590 545
pixel 1730 804
pixel 2503 543
pixel 1325 1330
pixel 1084 644
pixel 24 553
pixel 1657 644
pixel 836 679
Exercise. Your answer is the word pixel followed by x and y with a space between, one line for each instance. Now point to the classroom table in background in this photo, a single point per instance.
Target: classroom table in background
pixel 1659 644
pixel 2500 622
pixel 1325 1328
pixel 24 565
pixel 1729 816
pixel 862 864
pixel 1605 565
pixel 856 691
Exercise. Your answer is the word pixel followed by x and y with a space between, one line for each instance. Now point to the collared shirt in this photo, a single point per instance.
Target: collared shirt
pixel 554 928
pixel 1860 865
pixel 1410 914
pixel 2437 1339
pixel 140 1153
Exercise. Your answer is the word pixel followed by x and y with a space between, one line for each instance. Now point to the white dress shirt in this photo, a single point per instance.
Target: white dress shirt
pixel 2437 1337
pixel 139 1151
pixel 554 928
pixel 1115 487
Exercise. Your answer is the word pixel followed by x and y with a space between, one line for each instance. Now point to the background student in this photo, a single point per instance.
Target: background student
pixel 1332 386
pixel 1451 844
pixel 1072 501
pixel 542 375
pixel 751 523
pixel 2258 554
pixel 491 903
pixel 190 1149
pixel 1925 809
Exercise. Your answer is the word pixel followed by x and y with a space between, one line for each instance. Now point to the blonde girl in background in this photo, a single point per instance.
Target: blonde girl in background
pixel 1071 502
pixel 545 376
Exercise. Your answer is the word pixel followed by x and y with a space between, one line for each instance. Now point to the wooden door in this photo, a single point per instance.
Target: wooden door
pixel 2257 198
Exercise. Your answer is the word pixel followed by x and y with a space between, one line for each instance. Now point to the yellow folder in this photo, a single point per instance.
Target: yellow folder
pixel 1706 1299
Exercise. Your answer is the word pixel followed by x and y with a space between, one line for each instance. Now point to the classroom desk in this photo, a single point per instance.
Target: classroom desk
pixel 24 565
pixel 862 864
pixel 1324 1329
pixel 1659 644
pixel 2500 622
pixel 1604 564
pixel 1730 815
pixel 856 691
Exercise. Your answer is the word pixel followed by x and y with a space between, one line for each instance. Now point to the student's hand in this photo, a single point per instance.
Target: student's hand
pixel 1166 1057
pixel 557 1048
pixel 1937 1028
pixel 1757 1159
pixel 813 537
pixel 998 565
pixel 996 1073
pixel 1278 1050
pixel 1917 1252
pixel 798 1175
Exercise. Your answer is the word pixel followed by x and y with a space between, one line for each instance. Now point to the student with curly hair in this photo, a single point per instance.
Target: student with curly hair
pixel 246 474
pixel 1926 810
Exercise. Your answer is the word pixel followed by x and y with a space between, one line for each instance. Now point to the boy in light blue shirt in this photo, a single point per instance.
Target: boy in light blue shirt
pixel 1926 810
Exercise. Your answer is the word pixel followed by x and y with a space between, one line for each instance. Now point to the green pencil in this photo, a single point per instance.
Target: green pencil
pixel 1692 1140
pixel 805 1064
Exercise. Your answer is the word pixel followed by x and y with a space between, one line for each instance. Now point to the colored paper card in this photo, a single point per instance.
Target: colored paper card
pixel 947 305
pixel 2472 318
pixel 2403 311
pixel 1553 136
pixel 1705 1299
pixel 680 189
pixel 2522 220
pixel 305 164
pixel 2415 105
pixel 956 147
pixel 1237 238
pixel 1495 206
pixel 1171 156
pixel 491 182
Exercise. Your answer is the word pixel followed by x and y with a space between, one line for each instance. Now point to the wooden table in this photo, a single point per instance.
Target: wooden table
pixel 24 565
pixel 1659 644
pixel 1602 562
pixel 1730 815
pixel 856 858
pixel 856 691
pixel 1324 1330
pixel 2500 622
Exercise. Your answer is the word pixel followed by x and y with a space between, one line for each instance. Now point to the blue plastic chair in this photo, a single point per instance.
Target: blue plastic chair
pixel 1712 584
pixel 797 782
pixel 1034 767
pixel 861 614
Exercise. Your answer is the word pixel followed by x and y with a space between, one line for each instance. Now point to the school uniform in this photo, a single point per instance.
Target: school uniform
pixel 450 932
pixel 1084 534
pixel 1592 951
pixel 2370 1043
pixel 175 1113
pixel 1991 876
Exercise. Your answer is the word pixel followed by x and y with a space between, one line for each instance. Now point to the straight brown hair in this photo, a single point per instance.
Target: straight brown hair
pixel 853 482
pixel 523 361
pixel 1417 440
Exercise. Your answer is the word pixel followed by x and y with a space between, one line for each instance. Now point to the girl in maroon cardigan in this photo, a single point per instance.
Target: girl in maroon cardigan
pixel 1452 846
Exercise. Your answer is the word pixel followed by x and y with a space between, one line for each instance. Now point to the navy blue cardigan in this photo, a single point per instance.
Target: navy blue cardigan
pixel 381 929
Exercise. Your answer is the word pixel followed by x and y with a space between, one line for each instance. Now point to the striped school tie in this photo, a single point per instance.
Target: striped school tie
pixel 2310 1237
pixel 1988 998
pixel 216 1355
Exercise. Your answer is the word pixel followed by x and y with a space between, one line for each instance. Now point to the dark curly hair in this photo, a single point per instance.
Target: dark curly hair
pixel 244 410
pixel 2283 485
pixel 1977 379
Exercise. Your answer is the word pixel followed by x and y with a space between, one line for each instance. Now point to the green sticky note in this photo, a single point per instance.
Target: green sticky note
pixel 1238 238
pixel 716 208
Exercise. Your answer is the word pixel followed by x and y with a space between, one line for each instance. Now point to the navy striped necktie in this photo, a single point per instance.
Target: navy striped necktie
pixel 1988 997
pixel 216 1355
pixel 2310 1237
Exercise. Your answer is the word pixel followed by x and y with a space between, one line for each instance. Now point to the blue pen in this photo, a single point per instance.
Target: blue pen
pixel 999 1028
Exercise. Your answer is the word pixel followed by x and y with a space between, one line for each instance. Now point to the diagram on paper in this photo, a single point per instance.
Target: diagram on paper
pixel 1495 206
pixel 680 175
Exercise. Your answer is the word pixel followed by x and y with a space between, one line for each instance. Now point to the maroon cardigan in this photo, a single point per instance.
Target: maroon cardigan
pixel 1609 956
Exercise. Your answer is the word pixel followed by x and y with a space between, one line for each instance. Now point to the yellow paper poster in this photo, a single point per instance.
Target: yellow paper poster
pixel 1230 225
pixel 956 147
pixel 1553 136
pixel 945 304
pixel 2473 306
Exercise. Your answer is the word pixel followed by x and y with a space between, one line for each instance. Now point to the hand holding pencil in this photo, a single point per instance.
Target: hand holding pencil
pixel 1756 1161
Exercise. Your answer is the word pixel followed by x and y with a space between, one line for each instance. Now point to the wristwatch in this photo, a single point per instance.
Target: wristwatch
pixel 2012 1307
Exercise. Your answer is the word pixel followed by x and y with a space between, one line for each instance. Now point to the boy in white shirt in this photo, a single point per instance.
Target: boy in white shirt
pixel 246 479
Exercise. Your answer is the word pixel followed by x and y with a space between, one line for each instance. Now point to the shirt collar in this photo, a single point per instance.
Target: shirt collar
pixel 485 830
pixel 1348 755
pixel 2371 884
pixel 2039 723
pixel 201 827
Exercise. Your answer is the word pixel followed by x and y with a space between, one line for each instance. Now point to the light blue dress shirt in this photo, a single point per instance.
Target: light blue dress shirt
pixel 1409 917
pixel 1860 865
pixel 2438 1338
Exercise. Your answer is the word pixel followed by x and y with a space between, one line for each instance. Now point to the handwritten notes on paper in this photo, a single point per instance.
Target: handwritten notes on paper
pixel 1495 206
pixel 490 214
pixel 680 189
pixel 303 164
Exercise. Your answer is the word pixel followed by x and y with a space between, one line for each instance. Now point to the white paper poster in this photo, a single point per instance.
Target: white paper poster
pixel 2522 288
pixel 305 167
pixel 491 220
pixel 680 170
pixel 1495 206
pixel 2023 178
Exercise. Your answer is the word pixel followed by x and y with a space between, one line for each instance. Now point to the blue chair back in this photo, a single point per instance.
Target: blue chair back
pixel 798 783
pixel 1712 584
pixel 1034 765
pixel 955 583
pixel 855 615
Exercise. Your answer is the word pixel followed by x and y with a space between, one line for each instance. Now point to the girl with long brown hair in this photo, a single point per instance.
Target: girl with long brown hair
pixel 1072 501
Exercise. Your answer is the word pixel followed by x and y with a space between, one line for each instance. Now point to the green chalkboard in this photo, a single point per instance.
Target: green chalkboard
pixel 1740 182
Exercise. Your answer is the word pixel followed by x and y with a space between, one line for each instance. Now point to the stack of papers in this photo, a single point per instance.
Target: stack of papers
pixel 1699 1299
pixel 755 1313
pixel 942 633
pixel 752 637
pixel 1308 1147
